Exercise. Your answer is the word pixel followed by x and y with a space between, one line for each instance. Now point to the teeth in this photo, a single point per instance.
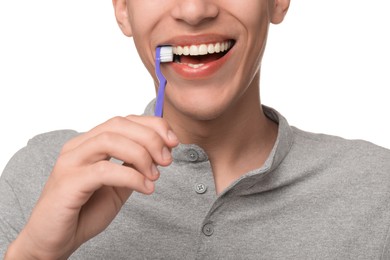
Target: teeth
pixel 194 50
pixel 217 48
pixel 211 49
pixel 186 50
pixel 203 49
pixel 195 66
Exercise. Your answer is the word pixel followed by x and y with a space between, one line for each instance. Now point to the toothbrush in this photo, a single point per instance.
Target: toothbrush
pixel 163 54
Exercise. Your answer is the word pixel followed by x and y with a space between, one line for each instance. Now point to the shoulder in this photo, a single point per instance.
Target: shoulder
pixel 52 139
pixel 34 161
pixel 44 148
pixel 338 145
pixel 351 171
pixel 340 153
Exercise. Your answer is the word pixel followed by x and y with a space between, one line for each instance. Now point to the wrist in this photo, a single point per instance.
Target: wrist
pixel 25 248
pixel 16 250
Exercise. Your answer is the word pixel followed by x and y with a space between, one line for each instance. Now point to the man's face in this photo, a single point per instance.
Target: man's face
pixel 233 34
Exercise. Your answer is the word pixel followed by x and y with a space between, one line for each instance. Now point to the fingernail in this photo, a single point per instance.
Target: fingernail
pixel 172 136
pixel 154 169
pixel 166 154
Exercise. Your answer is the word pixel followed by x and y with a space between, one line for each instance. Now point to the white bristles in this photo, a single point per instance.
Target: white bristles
pixel 166 54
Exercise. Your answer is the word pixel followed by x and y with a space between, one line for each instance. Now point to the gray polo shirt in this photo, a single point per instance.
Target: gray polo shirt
pixel 316 197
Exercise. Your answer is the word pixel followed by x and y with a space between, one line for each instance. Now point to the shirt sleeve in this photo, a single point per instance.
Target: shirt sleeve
pixel 11 216
pixel 22 182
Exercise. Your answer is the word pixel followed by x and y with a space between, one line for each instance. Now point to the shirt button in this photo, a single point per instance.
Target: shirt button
pixel 193 155
pixel 208 229
pixel 200 188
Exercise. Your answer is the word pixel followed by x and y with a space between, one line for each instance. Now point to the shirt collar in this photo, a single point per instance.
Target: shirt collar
pixel 284 141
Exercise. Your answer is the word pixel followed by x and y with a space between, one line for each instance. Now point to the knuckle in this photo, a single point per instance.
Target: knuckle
pixel 61 160
pixel 105 138
pixel 64 166
pixel 100 167
pixel 144 155
pixel 131 117
pixel 116 121
pixel 65 148
pixel 161 122
pixel 64 161
pixel 68 146
pixel 155 138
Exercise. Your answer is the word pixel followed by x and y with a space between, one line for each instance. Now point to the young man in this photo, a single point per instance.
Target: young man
pixel 220 176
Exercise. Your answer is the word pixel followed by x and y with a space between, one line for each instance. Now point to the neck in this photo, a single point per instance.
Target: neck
pixel 236 142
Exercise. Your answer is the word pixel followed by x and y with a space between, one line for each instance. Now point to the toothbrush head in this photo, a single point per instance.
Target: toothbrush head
pixel 165 54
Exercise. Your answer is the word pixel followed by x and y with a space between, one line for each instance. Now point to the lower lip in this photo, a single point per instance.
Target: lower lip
pixel 205 71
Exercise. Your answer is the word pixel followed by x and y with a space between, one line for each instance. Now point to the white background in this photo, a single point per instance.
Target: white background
pixel 66 65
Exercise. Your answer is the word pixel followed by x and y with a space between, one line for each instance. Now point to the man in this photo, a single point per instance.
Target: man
pixel 220 176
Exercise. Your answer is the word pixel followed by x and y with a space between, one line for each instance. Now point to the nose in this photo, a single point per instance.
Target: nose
pixel 195 12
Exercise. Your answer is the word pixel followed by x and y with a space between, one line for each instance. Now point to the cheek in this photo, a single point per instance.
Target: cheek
pixel 142 41
pixel 144 16
pixel 148 27
pixel 255 19
pixel 251 13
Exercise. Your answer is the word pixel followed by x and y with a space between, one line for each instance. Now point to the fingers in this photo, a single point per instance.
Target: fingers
pixel 105 173
pixel 86 180
pixel 159 125
pixel 107 145
pixel 152 133
pixel 140 142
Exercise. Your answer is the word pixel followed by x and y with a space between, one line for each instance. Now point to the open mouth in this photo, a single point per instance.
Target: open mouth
pixel 196 56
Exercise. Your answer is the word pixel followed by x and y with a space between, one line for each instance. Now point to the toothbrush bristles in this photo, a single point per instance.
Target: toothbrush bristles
pixel 166 54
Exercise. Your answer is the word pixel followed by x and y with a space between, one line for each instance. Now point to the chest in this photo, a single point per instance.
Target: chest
pixel 252 227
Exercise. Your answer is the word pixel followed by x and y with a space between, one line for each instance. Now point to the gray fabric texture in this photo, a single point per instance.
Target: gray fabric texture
pixel 316 197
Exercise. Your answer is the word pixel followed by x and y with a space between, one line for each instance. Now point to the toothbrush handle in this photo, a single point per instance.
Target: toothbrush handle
pixel 161 89
pixel 160 98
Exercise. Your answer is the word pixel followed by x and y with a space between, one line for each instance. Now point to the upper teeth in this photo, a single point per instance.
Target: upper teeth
pixel 203 49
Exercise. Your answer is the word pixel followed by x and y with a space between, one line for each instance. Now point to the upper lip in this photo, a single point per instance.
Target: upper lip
pixel 187 40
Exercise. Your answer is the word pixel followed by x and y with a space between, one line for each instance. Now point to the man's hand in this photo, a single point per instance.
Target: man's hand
pixel 86 190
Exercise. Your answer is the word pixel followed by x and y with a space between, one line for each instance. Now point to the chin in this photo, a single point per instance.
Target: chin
pixel 201 110
pixel 203 114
